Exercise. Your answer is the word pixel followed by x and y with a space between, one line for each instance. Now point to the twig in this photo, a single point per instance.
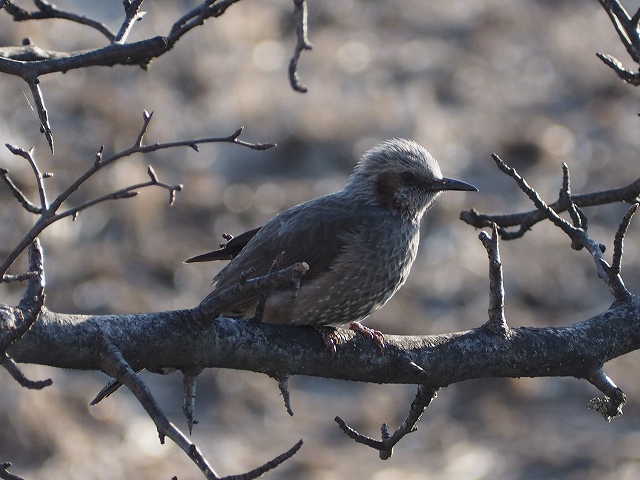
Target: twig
pixel 132 15
pixel 21 277
pixel 618 242
pixel 609 406
pixel 41 110
pixel 4 474
pixel 226 298
pixel 577 235
pixel 190 381
pixel 51 215
pixel 533 196
pixel 47 10
pixel 28 155
pixel 283 386
pixel 15 372
pixel 627 29
pixel 17 193
pixel 526 220
pixel 264 296
pixel 258 472
pixel 23 317
pixel 302 43
pixel 423 398
pixel 114 364
pixel 196 17
pixel 497 322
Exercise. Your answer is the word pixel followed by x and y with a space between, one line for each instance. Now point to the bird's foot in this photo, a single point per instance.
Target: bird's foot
pixel 330 336
pixel 375 335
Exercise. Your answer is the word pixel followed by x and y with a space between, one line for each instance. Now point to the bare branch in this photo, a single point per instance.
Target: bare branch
pixel 497 322
pixel 26 314
pixel 4 474
pixel 190 381
pixel 625 26
pixel 41 110
pixel 619 240
pixel 578 236
pixel 15 372
pixel 132 15
pixel 28 155
pixel 258 472
pixel 17 193
pixel 526 220
pixel 50 214
pixel 609 406
pixel 533 196
pixel 616 65
pixel 137 53
pixel 47 10
pixel 423 398
pixel 197 16
pixel 22 277
pixel 115 365
pixel 218 304
pixel 302 43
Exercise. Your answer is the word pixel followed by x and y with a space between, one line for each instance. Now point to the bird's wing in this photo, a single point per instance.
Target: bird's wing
pixel 227 251
pixel 314 232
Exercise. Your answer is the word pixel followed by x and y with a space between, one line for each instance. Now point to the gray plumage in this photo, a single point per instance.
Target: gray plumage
pixel 359 242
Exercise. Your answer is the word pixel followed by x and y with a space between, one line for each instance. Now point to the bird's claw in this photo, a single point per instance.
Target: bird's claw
pixel 373 334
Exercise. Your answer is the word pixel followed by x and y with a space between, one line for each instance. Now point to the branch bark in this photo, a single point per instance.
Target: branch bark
pixel 157 340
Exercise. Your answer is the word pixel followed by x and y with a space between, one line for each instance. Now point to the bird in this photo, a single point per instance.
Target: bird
pixel 359 243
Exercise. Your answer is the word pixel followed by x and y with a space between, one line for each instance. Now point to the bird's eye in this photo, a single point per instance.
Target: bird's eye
pixel 408 176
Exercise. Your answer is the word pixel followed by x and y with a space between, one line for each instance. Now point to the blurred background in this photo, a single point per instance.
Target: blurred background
pixel 463 78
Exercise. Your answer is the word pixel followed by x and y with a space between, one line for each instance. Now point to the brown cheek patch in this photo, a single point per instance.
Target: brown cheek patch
pixel 386 186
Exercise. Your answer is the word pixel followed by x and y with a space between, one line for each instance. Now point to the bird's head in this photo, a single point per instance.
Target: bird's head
pixel 401 175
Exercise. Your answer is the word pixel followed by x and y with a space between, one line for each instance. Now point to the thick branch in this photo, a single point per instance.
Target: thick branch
pixel 156 340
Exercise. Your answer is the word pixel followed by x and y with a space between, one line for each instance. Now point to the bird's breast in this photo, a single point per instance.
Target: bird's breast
pixel 374 264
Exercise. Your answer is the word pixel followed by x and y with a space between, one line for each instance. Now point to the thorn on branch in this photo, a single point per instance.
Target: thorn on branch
pixel 190 381
pixel 41 110
pixel 283 385
pixel 565 198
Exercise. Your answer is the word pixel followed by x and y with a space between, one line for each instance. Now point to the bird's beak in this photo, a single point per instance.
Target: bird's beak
pixel 451 184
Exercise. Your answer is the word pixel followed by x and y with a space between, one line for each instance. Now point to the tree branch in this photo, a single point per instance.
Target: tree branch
pixel 152 341
pixel 49 213
pixel 302 43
